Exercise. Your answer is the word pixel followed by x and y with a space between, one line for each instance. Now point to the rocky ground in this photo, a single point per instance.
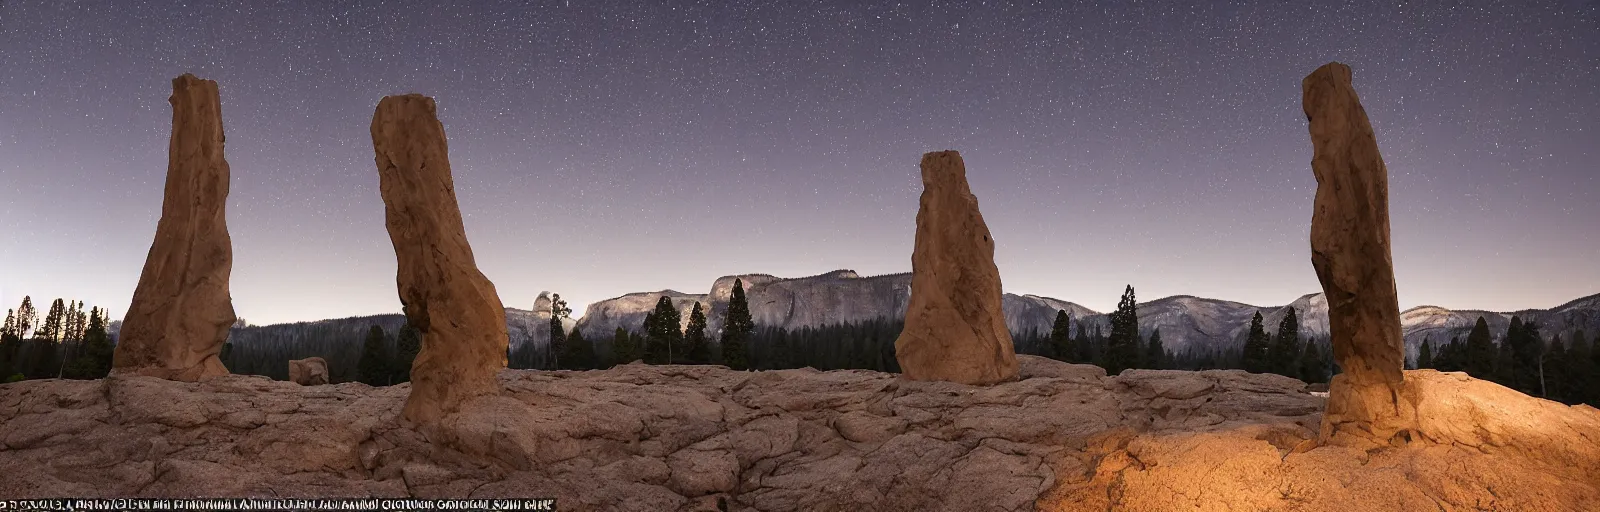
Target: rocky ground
pixel 1064 437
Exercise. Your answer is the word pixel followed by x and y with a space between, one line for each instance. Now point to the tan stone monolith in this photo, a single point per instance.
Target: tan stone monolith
pixel 1350 251
pixel 955 329
pixel 444 295
pixel 181 309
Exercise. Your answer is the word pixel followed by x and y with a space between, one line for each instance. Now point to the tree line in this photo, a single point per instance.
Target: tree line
pixel 66 342
pixel 1556 369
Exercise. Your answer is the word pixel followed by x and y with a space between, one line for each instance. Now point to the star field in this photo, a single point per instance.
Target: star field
pixel 601 148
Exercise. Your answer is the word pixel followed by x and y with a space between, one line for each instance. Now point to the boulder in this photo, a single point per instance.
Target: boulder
pixel 311 371
pixel 955 329
pixel 181 309
pixel 441 290
pixel 1350 252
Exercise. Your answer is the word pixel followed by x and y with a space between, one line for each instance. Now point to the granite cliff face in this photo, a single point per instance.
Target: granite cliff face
pixel 1185 321
pixel 601 319
pixel 688 438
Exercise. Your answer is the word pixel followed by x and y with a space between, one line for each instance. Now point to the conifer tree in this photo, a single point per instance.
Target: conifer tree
pixel 1312 366
pixel 407 344
pixel 1425 355
pixel 53 321
pixel 11 323
pixel 1155 354
pixel 624 348
pixel 226 356
pixel 663 333
pixel 697 348
pixel 1122 348
pixel 1552 371
pixel 1480 353
pixel 737 327
pixel 579 353
pixel 1283 354
pixel 648 351
pixel 374 368
pixel 1061 346
pixel 94 361
pixel 558 331
pixel 1255 358
pixel 26 316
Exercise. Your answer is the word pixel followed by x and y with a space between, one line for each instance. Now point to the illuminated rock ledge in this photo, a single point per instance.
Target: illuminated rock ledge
pixel 1063 437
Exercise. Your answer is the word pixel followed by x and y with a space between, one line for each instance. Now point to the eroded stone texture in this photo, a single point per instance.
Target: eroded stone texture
pixel 310 371
pixel 181 310
pixel 1350 251
pixel 639 437
pixel 955 329
pixel 442 292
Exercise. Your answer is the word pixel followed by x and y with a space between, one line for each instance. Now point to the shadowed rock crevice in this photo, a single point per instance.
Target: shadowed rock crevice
pixel 443 293
pixel 181 309
pixel 955 328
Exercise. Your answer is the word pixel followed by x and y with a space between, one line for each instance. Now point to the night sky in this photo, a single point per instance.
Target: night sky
pixel 602 147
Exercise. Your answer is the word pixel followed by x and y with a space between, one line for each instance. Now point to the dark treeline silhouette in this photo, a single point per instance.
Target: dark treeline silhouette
pixel 1522 359
pixel 66 343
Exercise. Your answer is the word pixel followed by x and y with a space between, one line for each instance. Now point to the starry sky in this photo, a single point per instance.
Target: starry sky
pixel 606 147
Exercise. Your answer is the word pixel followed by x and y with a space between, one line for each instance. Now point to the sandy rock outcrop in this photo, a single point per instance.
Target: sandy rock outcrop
pixel 637 437
pixel 441 290
pixel 955 328
pixel 1350 251
pixel 181 309
pixel 311 371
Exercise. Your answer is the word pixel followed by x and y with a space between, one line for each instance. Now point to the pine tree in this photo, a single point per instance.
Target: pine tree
pixel 374 368
pixel 94 361
pixel 407 344
pixel 1283 354
pixel 737 327
pixel 1122 348
pixel 1425 355
pixel 11 323
pixel 1480 353
pixel 53 321
pixel 624 347
pixel 663 333
pixel 1313 367
pixel 1155 354
pixel 1552 371
pixel 697 348
pixel 579 354
pixel 1255 358
pixel 1061 346
pixel 558 332
pixel 26 316
pixel 226 356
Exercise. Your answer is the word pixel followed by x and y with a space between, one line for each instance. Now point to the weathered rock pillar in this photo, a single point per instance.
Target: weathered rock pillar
pixel 955 329
pixel 181 310
pixel 443 293
pixel 1350 251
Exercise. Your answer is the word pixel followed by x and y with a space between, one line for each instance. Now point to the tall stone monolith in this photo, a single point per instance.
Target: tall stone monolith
pixel 181 309
pixel 1350 251
pixel 443 293
pixel 954 329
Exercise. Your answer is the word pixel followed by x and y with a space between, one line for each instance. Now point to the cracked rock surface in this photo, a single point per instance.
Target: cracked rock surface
pixel 637 437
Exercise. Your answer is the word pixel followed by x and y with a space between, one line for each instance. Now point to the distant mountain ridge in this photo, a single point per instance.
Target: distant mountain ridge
pixel 1186 322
